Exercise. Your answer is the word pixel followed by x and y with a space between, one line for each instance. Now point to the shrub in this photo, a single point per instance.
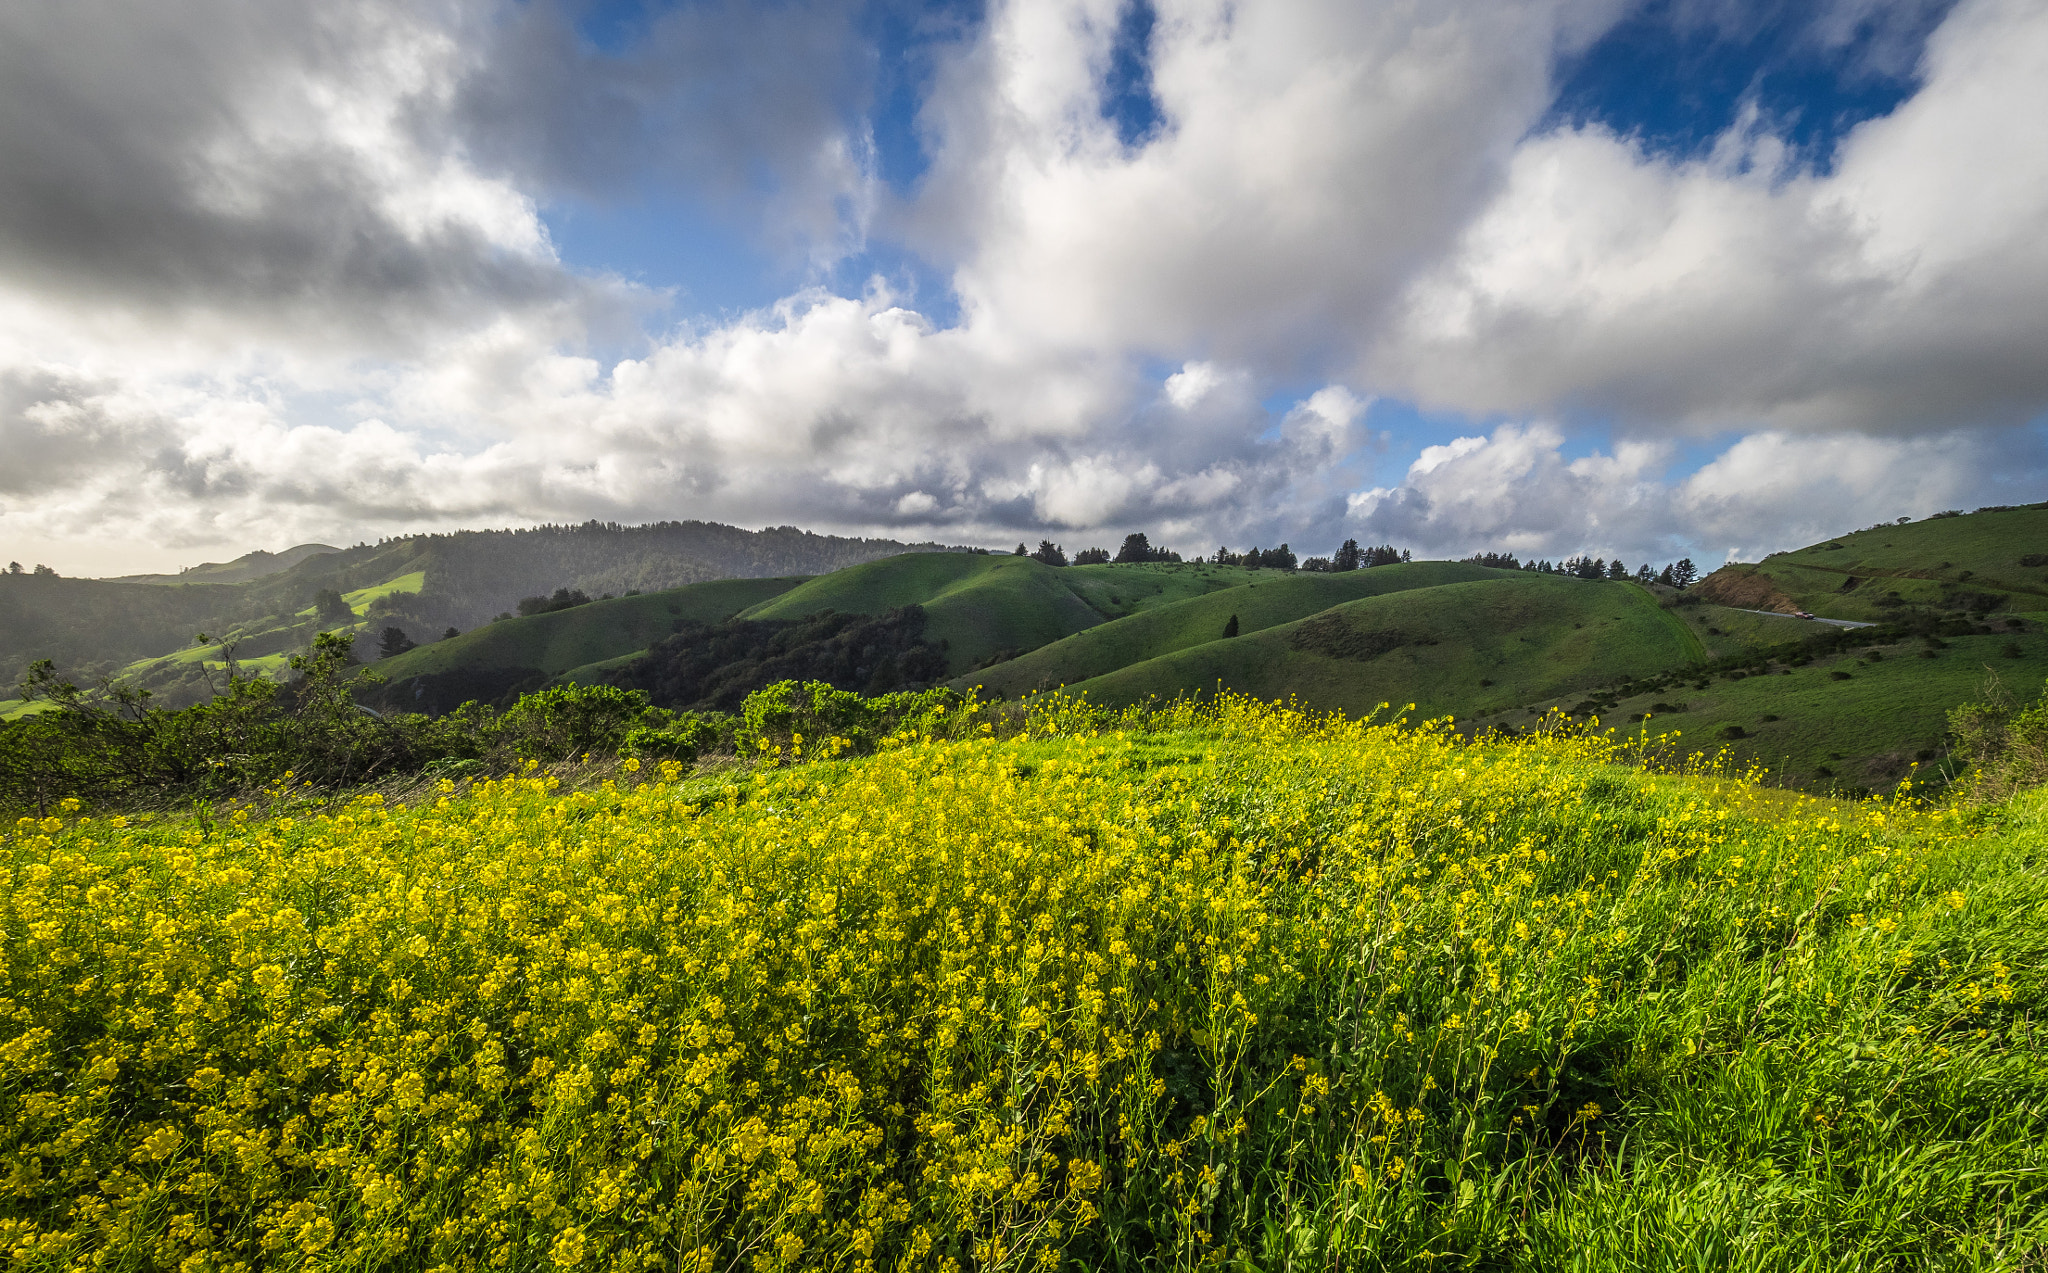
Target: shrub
pixel 2005 745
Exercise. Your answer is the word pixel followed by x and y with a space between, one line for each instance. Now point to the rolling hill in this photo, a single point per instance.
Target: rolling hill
pixel 1451 649
pixel 1265 599
pixel 1994 560
pixel 982 605
pixel 564 640
pixel 424 584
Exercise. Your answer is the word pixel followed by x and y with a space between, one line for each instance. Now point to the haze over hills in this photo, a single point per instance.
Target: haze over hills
pixel 423 584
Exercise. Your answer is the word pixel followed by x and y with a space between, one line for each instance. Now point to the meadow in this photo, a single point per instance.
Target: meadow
pixel 1220 986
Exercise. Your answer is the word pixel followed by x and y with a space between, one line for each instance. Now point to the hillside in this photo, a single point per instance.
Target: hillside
pixel 1266 599
pixel 980 605
pixel 556 642
pixel 243 569
pixel 1854 720
pixel 1988 562
pixel 1227 988
pixel 1452 649
pixel 422 584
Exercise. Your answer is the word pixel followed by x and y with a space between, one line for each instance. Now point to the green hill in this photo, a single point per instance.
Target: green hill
pixel 1453 649
pixel 979 605
pixel 1990 561
pixel 244 569
pixel 1270 598
pixel 1859 719
pixel 597 632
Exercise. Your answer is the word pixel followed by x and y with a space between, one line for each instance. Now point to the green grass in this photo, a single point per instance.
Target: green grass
pixel 1530 635
pixel 1922 563
pixel 1229 989
pixel 15 708
pixel 1722 630
pixel 360 599
pixel 587 634
pixel 1865 732
pixel 1267 598
pixel 977 605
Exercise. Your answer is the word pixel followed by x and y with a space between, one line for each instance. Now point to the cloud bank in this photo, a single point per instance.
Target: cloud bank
pixel 275 272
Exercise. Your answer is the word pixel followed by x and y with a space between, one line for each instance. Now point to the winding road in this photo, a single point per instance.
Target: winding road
pixel 1780 614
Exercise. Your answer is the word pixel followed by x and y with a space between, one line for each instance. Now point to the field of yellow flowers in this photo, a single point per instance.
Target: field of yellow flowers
pixel 1222 987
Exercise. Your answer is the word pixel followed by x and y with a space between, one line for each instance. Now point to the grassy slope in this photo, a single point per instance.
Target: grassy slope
pixel 1268 599
pixel 602 630
pixel 1921 563
pixel 979 605
pixel 1530 635
pixel 1502 1006
pixel 1866 731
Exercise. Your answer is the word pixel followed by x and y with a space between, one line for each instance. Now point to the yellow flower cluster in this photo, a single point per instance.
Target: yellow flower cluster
pixel 1110 986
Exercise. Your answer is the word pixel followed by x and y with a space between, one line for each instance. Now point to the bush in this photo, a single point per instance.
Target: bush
pixel 567 721
pixel 788 719
pixel 2005 745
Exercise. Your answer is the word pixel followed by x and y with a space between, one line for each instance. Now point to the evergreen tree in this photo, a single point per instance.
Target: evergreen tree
pixel 1138 548
pixel 1049 553
pixel 1347 557
pixel 1615 570
pixel 1684 573
pixel 393 641
pixel 1230 628
pixel 1020 551
pixel 1664 576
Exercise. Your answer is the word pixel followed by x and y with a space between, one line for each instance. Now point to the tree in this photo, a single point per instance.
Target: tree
pixel 452 632
pixel 13 567
pixel 1020 551
pixel 1138 548
pixel 1281 558
pixel 1615 570
pixel 1092 557
pixel 330 610
pixel 1317 565
pixel 1230 628
pixel 1049 553
pixel 1684 573
pixel 563 599
pixel 393 641
pixel 1644 574
pixel 45 571
pixel 1664 576
pixel 1348 556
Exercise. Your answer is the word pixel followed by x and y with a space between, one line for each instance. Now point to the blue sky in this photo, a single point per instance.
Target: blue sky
pixel 1655 277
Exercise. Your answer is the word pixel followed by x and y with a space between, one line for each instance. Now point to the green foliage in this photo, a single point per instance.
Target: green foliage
pixel 789 719
pixel 567 721
pixel 2005 745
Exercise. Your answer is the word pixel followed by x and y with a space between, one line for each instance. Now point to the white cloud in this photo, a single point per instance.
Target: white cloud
pixel 1515 490
pixel 293 282
pixel 1897 294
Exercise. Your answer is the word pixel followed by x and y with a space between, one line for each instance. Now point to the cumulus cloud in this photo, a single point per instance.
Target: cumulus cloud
pixel 1898 293
pixel 280 271
pixel 1516 490
pixel 1311 157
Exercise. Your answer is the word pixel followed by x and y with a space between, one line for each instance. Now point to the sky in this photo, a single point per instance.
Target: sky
pixel 1635 278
